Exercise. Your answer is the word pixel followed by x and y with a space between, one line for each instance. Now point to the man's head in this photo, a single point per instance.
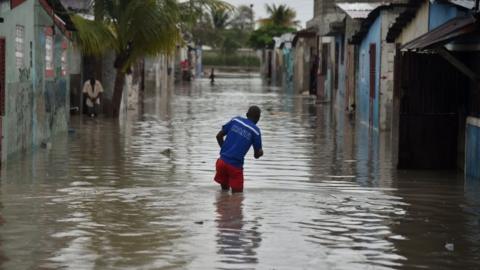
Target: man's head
pixel 254 114
pixel 92 78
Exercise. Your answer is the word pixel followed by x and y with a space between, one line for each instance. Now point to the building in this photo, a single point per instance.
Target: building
pixel 374 95
pixel 329 23
pixel 304 45
pixel 36 66
pixel 436 90
pixel 347 59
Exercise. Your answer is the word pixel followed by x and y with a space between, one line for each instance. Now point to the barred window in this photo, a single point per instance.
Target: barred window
pixel 20 46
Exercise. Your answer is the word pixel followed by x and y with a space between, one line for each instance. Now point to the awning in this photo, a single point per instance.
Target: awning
pixel 443 34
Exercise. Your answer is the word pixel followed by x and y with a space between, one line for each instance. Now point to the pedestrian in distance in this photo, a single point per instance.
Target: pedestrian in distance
pixel 241 133
pixel 92 89
pixel 212 76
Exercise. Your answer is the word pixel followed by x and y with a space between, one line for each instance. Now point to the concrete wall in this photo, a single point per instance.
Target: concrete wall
pixel 21 15
pixel 299 67
pixel 386 72
pixel 363 83
pixel 417 27
pixel 37 107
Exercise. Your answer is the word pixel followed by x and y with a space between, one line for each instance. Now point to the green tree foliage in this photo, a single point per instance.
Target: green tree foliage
pixel 136 29
pixel 281 20
pixel 224 29
pixel 262 38
pixel 280 15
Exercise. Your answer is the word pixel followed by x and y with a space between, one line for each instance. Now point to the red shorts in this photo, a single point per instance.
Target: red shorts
pixel 229 176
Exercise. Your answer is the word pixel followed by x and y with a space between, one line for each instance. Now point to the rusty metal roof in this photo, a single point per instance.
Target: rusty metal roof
pixel 447 32
pixel 358 10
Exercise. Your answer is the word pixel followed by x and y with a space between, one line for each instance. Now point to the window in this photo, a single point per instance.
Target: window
pixel 49 52
pixel 20 46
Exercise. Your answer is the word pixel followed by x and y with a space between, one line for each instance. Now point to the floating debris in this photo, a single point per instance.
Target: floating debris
pixel 167 152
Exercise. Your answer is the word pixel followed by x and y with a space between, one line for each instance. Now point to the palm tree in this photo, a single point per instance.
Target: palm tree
pixel 281 15
pixel 221 18
pixel 135 29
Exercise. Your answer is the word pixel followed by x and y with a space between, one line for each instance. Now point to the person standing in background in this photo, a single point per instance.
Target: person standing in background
pixel 92 89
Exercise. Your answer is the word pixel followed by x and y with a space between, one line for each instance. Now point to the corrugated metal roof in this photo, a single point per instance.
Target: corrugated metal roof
pixel 464 3
pixel 358 10
pixel 470 4
pixel 443 34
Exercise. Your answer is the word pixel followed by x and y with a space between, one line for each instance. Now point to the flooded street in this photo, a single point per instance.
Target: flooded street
pixel 140 194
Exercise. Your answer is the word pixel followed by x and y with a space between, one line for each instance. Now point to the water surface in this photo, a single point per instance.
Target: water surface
pixel 138 194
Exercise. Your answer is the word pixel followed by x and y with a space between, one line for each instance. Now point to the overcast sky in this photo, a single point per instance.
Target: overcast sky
pixel 304 8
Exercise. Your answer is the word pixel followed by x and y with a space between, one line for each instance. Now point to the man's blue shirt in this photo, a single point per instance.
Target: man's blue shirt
pixel 241 134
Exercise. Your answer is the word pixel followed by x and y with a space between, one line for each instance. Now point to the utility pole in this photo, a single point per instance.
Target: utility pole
pixel 252 28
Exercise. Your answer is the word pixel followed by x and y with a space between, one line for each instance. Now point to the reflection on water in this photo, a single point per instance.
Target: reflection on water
pixel 236 243
pixel 139 193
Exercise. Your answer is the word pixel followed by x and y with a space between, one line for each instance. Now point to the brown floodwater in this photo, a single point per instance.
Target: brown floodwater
pixel 138 193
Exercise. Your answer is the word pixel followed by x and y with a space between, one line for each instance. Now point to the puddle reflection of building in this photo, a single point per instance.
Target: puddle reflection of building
pixel 237 243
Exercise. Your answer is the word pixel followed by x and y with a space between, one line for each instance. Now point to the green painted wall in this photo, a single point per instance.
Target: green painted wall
pixel 37 107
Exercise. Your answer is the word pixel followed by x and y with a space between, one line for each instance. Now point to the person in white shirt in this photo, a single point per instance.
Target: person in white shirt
pixel 92 89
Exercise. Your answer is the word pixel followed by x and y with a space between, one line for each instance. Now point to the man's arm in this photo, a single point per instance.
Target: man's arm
pixel 258 153
pixel 220 136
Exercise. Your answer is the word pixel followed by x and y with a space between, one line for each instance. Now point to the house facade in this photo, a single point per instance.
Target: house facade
pixel 375 68
pixel 436 86
pixel 36 66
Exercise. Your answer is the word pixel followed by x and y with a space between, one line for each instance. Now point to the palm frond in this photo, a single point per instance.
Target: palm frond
pixel 94 38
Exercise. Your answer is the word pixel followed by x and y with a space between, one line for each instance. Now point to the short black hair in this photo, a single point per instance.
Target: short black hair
pixel 254 113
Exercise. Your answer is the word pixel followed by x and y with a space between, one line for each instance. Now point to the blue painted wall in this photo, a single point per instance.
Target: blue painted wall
pixel 441 13
pixel 472 161
pixel 363 70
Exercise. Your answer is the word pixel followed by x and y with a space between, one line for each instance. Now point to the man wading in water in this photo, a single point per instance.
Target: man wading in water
pixel 241 134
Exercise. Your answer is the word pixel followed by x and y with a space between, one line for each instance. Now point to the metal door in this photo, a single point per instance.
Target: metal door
pixel 430 95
